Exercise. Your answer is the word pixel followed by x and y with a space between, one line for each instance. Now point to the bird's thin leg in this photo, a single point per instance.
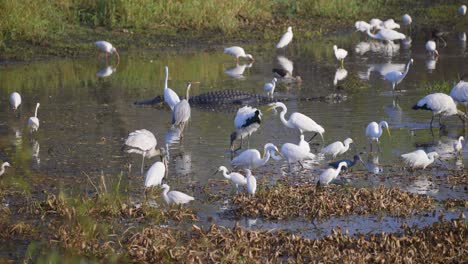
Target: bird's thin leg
pixel 440 116
pixel 302 166
pixel 342 63
pixel 432 119
pixel 378 147
pixel 248 141
pixel 242 141
pixel 312 138
pixel 143 161
pixel 371 146
pixel 289 166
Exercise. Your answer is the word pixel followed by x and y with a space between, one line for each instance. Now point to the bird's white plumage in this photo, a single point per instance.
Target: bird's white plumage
pixel 431 47
pixel 406 19
pixel 386 34
pixel 439 103
pixel 395 77
pixel 269 87
pixel 295 153
pixel 340 75
pixel 419 158
pixel 170 97
pixel 286 64
pixel 237 52
pixel 390 24
pixel 458 146
pixel 140 141
pixel 105 46
pixel 375 22
pixel 340 54
pixel 374 130
pixel 362 26
pixel 337 148
pixel 285 39
pixel 251 182
pixel 236 178
pixel 2 170
pixel 462 10
pixel 15 100
pixel 251 158
pixel 175 197
pixel 304 144
pixel 243 114
pixel 33 121
pixel 330 174
pixel 459 92
pixel 155 174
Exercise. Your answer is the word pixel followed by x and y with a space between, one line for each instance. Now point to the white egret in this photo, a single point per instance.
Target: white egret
pixel 340 54
pixel 386 34
pixel 175 197
pixel 247 121
pixel 349 163
pixel 107 48
pixel 440 104
pixel 362 47
pixel 419 158
pixel 142 142
pixel 33 121
pixel 390 24
pixel 462 10
pixel 181 111
pixel 156 173
pixel 251 159
pixel 294 153
pixel 235 177
pixel 2 170
pixel 374 131
pixel 304 144
pixel 395 77
pixel 170 97
pixel 337 148
pixel 431 47
pixel 330 174
pixel 15 100
pixel 285 39
pixel 251 182
pixel 362 26
pixel 298 121
pixel 462 37
pixel 459 93
pixel 238 52
pixel 407 20
pixel 269 87
pixel 458 146
pixel 383 69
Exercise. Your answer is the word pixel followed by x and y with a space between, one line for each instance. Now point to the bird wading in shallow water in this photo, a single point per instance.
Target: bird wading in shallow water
pixel 181 112
pixel 458 146
pixel 419 159
pixel 170 97
pixel 144 143
pixel 175 197
pixel 15 100
pixel 107 48
pixel 251 159
pixel 330 174
pixel 337 148
pixel 395 77
pixel 340 54
pixel 440 104
pixel 247 121
pixel 285 39
pixel 349 163
pixel 238 52
pixel 251 182
pixel 459 93
pixel 236 178
pixel 374 131
pixel 33 121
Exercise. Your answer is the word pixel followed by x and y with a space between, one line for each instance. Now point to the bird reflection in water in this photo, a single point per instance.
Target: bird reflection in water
pixel 237 71
pixel 373 165
pixel 106 71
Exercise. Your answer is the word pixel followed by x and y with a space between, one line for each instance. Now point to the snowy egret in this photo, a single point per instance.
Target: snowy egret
pixel 386 34
pixel 462 10
pixel 235 177
pixel 330 174
pixel 340 54
pixel 294 153
pixel 251 182
pixel 285 39
pixel 431 47
pixel 407 20
pixel 175 197
pixel 107 48
pixel 349 163
pixel 181 112
pixel 170 97
pixel 459 93
pixel 419 158
pixel 251 158
pixel 238 52
pixel 440 104
pixel 395 77
pixel 337 148
pixel 33 121
pixel 362 26
pixel 156 173
pixel 247 121
pixel 2 170
pixel 142 142
pixel 298 121
pixel 458 146
pixel 269 87
pixel 374 131
pixel 15 100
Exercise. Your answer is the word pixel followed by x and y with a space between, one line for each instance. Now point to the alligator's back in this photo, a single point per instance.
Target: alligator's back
pixel 225 97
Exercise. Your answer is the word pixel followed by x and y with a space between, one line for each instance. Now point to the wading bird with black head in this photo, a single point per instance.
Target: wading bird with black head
pixel 247 121
pixel 349 163
pixel 440 104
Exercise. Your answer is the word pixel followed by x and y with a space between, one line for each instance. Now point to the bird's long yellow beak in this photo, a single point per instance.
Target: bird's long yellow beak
pixel 388 131
pixel 270 108
pixel 279 153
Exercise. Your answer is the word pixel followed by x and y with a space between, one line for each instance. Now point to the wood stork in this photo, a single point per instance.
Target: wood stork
pixel 247 121
pixel 181 111
pixel 175 197
pixel 419 158
pixel 251 159
pixel 33 121
pixel 107 48
pixel 340 54
pixel 395 77
pixel 440 104
pixel 374 131
pixel 337 148
pixel 285 39
pixel 238 52
pixel 144 143
pixel 236 178
pixel 349 163
pixel 170 97
pixel 330 174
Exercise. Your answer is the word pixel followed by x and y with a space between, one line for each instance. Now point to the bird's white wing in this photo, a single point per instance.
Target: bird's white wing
pixel 286 64
pixel 413 157
pixel 155 174
pixel 333 148
pixel 305 123
pixel 245 158
pixel 438 102
pixel 238 178
pixel 243 114
pixel 180 197
pixel 460 92
pixel 285 39
pixel 391 34
pixel 141 139
pixel 393 76
pixel 103 45
pixel 234 51
pixel 171 98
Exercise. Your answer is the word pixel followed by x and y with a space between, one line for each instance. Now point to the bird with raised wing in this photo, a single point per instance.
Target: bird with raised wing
pixel 246 122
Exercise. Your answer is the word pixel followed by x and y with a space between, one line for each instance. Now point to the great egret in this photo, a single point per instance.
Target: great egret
pixel 374 131
pixel 236 178
pixel 386 34
pixel 375 22
pixel 181 111
pixel 285 39
pixel 419 158
pixel 298 121
pixel 15 100
pixel 440 104
pixel 395 77
pixel 107 48
pixel 349 163
pixel 431 47
pixel 247 121
pixel 33 121
pixel 459 93
pixel 458 146
pixel 340 54
pixel 142 142
pixel 251 182
pixel 251 159
pixel 269 87
pixel 383 69
pixel 330 174
pixel 462 10
pixel 238 52
pixel 337 148
pixel 294 153
pixel 175 197
pixel 156 173
pixel 2 170
pixel 170 97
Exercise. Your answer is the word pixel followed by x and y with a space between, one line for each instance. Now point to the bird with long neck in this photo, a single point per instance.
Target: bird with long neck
pixel 2 170
pixel 251 158
pixel 170 96
pixel 395 77
pixel 330 174
pixel 33 121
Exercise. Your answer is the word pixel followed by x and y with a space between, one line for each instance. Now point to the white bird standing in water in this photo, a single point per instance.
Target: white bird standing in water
pixel 395 77
pixel 419 158
pixel 251 182
pixel 298 121
pixel 236 178
pixel 175 197
pixel 337 148
pixel 269 87
pixel 33 121
pixel 181 112
pixel 15 100
pixel 440 104
pixel 170 97
pixel 294 153
pixel 250 159
pixel 459 93
pixel 107 48
pixel 247 121
pixel 285 39
pixel 386 34
pixel 374 131
pixel 2 170
pixel 142 142
pixel 431 47
pixel 330 174
pixel 156 173
pixel 340 54
pixel 238 52
pixel 458 146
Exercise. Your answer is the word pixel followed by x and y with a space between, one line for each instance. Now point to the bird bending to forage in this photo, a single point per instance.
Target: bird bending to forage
pixel 175 197
pixel 431 47
pixel 298 121
pixel 330 174
pixel 236 178
pixel 395 77
pixel 144 143
pixel 33 121
pixel 337 148
pixel 247 121
pixel 349 163
pixel 458 146
pixel 269 87
pixel 374 131
pixel 459 93
pixel 440 104
pixel 419 158
pixel 251 159
pixel 238 52
pixel 285 39
pixel 386 34
pixel 390 24
pixel 340 54
pixel 251 182
pixel 181 112
pixel 15 100
pixel 170 97
pixel 107 48
pixel 156 173
pixel 2 170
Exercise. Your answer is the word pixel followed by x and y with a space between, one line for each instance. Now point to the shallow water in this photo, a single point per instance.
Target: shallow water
pixel 86 113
